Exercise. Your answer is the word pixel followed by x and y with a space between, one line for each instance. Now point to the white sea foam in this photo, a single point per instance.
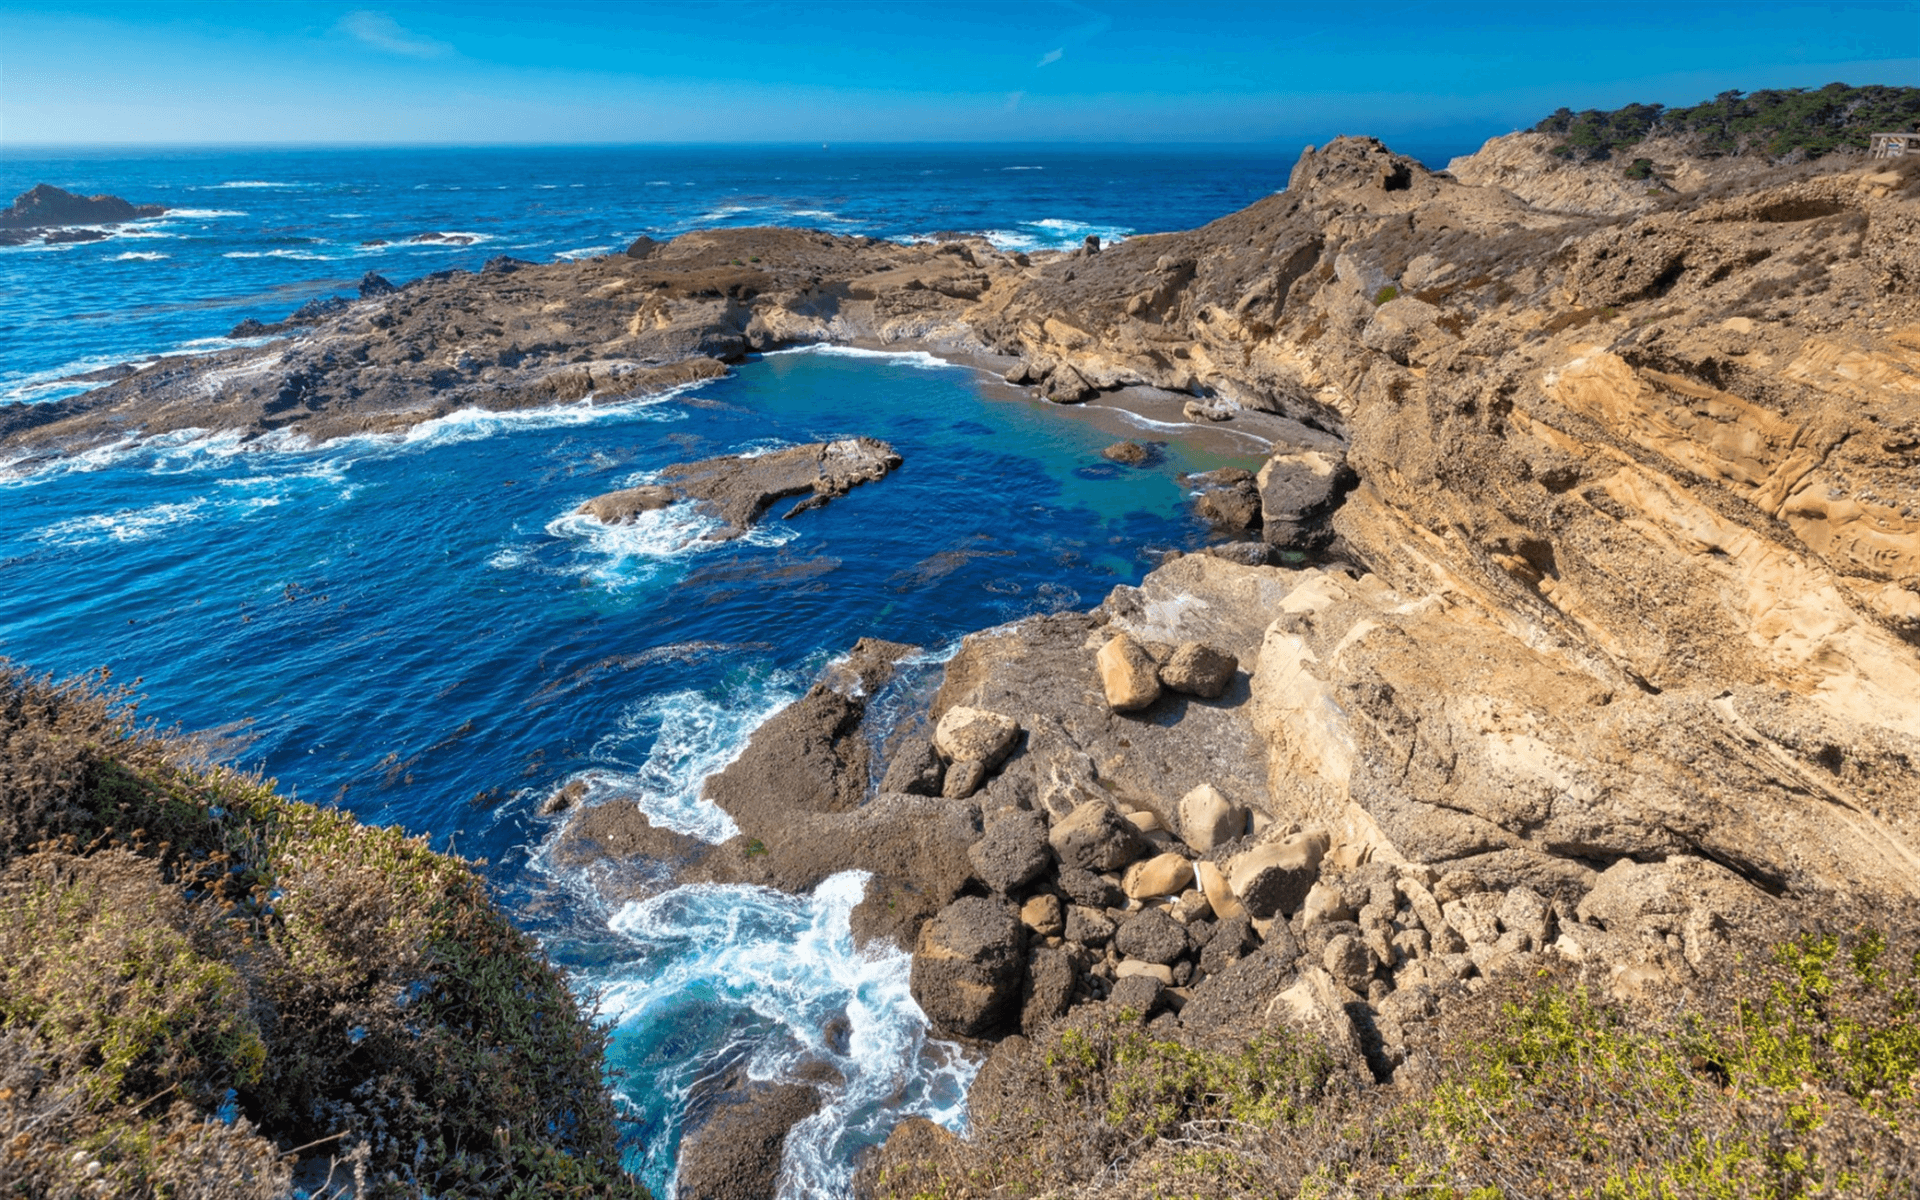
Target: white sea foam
pixel 250 183
pixel 199 213
pixel 790 962
pixel 911 358
pixel 138 256
pixel 126 525
pixel 690 736
pixel 300 255
pixel 582 252
pixel 1146 422
pixel 1054 233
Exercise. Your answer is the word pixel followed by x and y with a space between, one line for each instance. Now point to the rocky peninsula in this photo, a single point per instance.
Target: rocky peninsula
pixel 1576 637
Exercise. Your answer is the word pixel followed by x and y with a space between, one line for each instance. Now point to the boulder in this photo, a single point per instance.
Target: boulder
pixel 1232 940
pixel 643 247
pixel 1324 903
pixel 1095 891
pixel 1139 992
pixel 1152 936
pixel 1229 499
pixel 1199 670
pixel 1043 915
pixel 1067 386
pixel 916 770
pixel 1128 674
pixel 1162 875
pixel 1350 961
pixel 1012 854
pixel 1693 899
pixel 966 734
pixel 1134 968
pixel 1213 882
pixel 968 966
pixel 963 779
pixel 1527 913
pixel 375 284
pixel 1274 877
pixel 1316 1004
pixel 1477 917
pixel 1299 493
pixel 1094 838
pixel 1088 926
pixel 1050 981
pixel 1208 819
pixel 1131 453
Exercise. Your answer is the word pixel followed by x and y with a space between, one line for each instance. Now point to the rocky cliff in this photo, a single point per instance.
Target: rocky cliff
pixel 1610 655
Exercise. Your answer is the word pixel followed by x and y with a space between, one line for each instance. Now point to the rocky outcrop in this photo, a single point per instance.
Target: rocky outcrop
pixel 43 208
pixel 737 488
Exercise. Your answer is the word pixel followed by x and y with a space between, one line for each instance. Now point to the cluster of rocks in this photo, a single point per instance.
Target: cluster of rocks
pixel 44 213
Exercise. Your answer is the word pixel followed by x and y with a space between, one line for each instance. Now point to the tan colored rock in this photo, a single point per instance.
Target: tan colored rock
pixel 1145 822
pixel 966 734
pixel 1213 882
pixel 1133 966
pixel 1128 674
pixel 1043 915
pixel 1162 875
pixel 1476 916
pixel 1208 819
pixel 1324 903
pixel 1199 670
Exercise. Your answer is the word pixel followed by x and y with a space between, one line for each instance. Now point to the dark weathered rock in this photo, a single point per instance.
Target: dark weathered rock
pixel 563 798
pixel 867 667
pixel 1050 982
pixel 736 1154
pixel 963 779
pixel 45 205
pixel 375 284
pixel 1090 889
pixel 1199 670
pixel 642 247
pixel 1137 994
pixel 1152 936
pixel 1229 499
pixel 1231 941
pixel 915 770
pixel 1093 837
pixel 1274 877
pixel 968 966
pixel 1299 493
pixel 1088 926
pixel 1013 853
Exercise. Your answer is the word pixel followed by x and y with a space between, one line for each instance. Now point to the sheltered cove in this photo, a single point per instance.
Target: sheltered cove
pixel 1572 622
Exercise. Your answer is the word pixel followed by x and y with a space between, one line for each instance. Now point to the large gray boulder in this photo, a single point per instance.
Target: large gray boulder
pixel 1013 853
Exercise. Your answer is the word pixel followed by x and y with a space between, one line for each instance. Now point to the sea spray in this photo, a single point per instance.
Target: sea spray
pixel 736 978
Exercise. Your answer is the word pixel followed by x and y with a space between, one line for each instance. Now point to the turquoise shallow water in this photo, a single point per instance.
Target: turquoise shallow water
pixel 420 629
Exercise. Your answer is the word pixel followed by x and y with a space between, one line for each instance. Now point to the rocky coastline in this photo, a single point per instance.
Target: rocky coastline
pixel 1576 628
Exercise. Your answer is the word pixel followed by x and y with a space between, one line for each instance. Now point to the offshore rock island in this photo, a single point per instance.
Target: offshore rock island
pixel 1572 634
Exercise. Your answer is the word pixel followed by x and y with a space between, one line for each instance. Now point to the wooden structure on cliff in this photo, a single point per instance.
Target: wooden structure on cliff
pixel 1893 145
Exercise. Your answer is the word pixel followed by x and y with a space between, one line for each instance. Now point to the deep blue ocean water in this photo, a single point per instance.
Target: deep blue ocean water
pixel 419 629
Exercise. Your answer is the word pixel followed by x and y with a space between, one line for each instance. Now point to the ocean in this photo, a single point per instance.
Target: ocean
pixel 418 628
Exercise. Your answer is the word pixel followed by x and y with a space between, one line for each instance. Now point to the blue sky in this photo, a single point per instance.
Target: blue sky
pixel 1039 70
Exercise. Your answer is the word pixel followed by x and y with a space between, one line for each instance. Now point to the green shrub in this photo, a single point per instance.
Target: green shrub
pixel 1389 292
pixel 188 952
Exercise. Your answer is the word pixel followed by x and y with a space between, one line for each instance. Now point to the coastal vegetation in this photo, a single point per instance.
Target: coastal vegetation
pixel 1796 1073
pixel 1776 123
pixel 201 980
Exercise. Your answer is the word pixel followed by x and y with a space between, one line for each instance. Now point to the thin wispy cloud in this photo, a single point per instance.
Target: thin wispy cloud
pixel 382 32
pixel 1052 56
